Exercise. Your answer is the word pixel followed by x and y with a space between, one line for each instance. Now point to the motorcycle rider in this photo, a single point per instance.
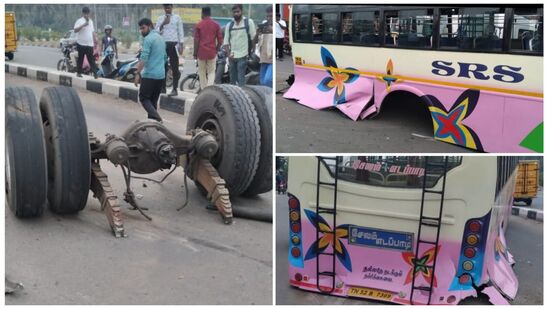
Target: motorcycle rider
pixel 108 49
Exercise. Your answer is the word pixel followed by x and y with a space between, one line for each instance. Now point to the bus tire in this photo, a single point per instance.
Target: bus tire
pixel 263 179
pixel 26 168
pixel 190 83
pixel 67 149
pixel 228 113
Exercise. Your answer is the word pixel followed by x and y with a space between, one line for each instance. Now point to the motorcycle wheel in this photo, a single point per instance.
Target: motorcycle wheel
pixel 61 65
pixel 169 79
pixel 190 84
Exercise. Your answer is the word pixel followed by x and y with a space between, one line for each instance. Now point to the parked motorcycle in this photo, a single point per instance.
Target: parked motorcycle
pixel 70 58
pixel 125 70
pixel 191 82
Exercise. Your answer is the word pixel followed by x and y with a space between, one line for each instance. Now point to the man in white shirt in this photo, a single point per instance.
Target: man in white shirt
pixel 280 27
pixel 170 26
pixel 85 39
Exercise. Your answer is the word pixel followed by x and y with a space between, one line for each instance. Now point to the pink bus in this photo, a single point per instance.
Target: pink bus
pixel 403 229
pixel 477 68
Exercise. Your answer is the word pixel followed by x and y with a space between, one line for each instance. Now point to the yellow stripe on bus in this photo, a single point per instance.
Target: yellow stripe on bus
pixel 427 81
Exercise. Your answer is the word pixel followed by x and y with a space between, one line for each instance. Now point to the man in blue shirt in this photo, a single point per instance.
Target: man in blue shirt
pixel 150 69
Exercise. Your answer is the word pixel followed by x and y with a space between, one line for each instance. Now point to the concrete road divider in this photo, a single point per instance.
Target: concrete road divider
pixel 180 104
pixel 534 214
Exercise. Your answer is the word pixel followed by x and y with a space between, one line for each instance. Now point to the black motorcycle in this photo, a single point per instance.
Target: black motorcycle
pixel 125 70
pixel 191 82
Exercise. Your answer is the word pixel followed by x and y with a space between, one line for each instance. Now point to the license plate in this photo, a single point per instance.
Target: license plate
pixel 369 293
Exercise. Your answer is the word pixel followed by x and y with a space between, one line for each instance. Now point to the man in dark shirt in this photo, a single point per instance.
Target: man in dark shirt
pixel 207 40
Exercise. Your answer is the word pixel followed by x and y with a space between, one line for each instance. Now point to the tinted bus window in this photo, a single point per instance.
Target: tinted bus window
pixel 389 171
pixel 301 27
pixel 473 28
pixel 409 28
pixel 527 30
pixel 325 27
pixel 360 28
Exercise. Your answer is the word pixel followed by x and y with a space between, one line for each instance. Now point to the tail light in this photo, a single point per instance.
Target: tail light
pixel 473 245
pixel 295 254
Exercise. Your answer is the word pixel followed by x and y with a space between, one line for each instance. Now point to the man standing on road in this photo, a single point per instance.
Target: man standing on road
pixel 207 40
pixel 151 68
pixel 85 40
pixel 265 46
pixel 280 28
pixel 239 44
pixel 170 27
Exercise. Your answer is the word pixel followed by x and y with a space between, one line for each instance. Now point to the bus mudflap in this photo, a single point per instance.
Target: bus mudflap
pixel 320 89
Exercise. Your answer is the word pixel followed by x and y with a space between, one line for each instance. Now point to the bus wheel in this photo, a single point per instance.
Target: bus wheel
pixel 263 102
pixel 67 148
pixel 228 113
pixel 25 162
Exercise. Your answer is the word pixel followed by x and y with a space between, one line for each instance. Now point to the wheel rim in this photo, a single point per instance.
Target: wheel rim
pixel 209 123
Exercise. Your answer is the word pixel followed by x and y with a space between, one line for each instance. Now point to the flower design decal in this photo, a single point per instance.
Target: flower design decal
pixel 448 124
pixel 427 259
pixel 389 79
pixel 329 237
pixel 337 79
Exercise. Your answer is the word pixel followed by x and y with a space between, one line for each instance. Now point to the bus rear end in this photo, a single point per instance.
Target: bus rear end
pixel 361 238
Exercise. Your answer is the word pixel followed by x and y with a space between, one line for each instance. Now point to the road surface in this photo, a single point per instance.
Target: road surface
pixel 48 57
pixel 524 239
pixel 185 257
pixel 401 127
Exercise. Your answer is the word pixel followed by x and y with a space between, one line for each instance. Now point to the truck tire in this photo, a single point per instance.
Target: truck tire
pixel 263 179
pixel 67 149
pixel 229 114
pixel 10 55
pixel 26 168
pixel 528 201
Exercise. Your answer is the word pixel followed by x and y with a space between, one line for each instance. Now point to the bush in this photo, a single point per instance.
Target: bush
pixel 126 37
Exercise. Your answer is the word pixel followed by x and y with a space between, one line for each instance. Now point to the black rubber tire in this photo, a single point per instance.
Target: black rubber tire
pixel 528 202
pixel 10 55
pixel 26 168
pixel 169 79
pixel 252 78
pixel 67 148
pixel 229 110
pixel 186 84
pixel 263 179
pixel 60 65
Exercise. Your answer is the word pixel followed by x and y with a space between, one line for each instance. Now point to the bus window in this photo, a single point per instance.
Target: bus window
pixel 473 28
pixel 409 28
pixel 527 30
pixel 360 28
pixel 325 27
pixel 391 171
pixel 301 27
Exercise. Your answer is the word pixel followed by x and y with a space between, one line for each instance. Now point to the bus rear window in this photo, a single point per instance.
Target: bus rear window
pixel 475 28
pixel 390 171
pixel 409 28
pixel 301 27
pixel 360 28
pixel 527 30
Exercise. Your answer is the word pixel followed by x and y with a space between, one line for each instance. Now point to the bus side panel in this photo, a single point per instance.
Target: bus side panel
pixel 499 260
pixel 523 118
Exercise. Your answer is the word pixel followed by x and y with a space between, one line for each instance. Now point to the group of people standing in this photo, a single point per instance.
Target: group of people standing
pixel 163 44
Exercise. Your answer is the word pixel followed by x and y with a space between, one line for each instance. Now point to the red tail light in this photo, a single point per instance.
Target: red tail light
pixel 293 203
pixel 474 226
pixel 463 279
pixel 469 252
pixel 296 252
pixel 296 228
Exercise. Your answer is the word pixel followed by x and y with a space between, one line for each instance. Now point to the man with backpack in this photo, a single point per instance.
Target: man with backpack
pixel 239 44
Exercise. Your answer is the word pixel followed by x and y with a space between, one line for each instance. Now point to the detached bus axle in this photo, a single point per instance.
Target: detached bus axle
pixel 52 159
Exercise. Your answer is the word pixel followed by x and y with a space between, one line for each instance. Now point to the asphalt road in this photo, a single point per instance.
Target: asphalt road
pixel 524 239
pixel 185 257
pixel 48 57
pixel 401 127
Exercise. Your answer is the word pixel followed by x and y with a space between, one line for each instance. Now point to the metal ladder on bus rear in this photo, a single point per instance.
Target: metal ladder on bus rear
pixel 329 211
pixel 431 222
